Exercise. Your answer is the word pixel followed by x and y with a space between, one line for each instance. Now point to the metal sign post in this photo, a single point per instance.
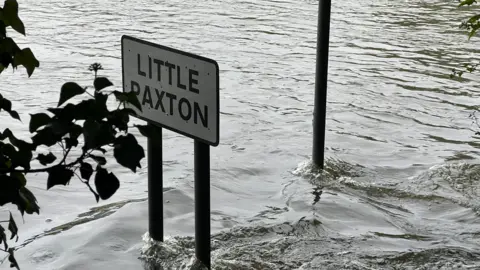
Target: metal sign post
pixel 178 91
pixel 321 77
pixel 202 202
pixel 155 186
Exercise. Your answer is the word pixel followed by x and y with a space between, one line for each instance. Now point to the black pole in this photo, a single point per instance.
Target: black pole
pixel 320 109
pixel 155 185
pixel 202 202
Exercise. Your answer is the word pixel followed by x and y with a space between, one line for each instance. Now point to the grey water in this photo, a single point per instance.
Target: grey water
pixel 401 188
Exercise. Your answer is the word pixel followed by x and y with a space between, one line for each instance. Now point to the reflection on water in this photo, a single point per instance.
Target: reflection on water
pixel 400 189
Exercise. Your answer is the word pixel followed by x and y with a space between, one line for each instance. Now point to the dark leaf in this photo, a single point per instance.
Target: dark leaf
pixel 9 151
pixel 27 202
pixel 106 183
pixel 20 177
pixel 69 90
pixel 3 237
pixel 133 99
pixel 75 131
pixel 97 134
pixel 9 46
pixel 60 128
pixel 98 159
pixel 59 175
pixel 72 139
pixel 3 136
pixel 101 82
pixel 466 2
pixel 120 96
pixel 23 159
pixel 11 259
pixel 86 170
pixel 90 130
pixel 18 25
pixel 15 115
pixel 10 16
pixel 100 109
pixel 128 97
pixel 21 144
pixel 56 111
pixel 66 114
pixel 16 158
pixel 474 19
pixel 6 104
pixel 92 109
pixel 38 120
pixel 119 118
pixel 46 159
pixel 5 162
pixel 12 227
pixel 101 99
pixel 85 110
pixel 128 152
pixel 5 60
pixel 9 189
pixel 3 30
pixel 46 136
pixel 70 142
pixel 26 58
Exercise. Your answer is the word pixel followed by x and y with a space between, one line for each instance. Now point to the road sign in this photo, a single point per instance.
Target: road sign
pixel 177 90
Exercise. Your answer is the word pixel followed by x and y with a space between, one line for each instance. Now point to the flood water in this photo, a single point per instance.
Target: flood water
pixel 401 190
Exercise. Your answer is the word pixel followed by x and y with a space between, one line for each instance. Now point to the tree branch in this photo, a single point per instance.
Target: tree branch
pixel 65 155
pixel 88 92
pixel 78 160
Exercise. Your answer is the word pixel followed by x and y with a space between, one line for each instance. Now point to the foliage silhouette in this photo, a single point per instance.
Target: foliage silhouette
pixel 471 24
pixel 88 126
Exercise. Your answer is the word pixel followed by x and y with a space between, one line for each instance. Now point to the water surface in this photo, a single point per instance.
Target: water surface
pixel 401 189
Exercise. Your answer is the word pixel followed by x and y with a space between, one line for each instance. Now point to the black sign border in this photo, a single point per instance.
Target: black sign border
pixel 158 46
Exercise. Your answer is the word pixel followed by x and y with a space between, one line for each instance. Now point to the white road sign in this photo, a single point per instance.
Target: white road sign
pixel 177 90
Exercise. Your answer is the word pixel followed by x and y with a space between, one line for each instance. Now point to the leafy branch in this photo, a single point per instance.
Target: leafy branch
pixel 472 24
pixel 88 125
pixel 102 129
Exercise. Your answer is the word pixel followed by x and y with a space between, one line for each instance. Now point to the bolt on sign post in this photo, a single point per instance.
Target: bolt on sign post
pixel 321 77
pixel 178 91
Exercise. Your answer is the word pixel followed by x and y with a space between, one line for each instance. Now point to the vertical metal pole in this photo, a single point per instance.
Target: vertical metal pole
pixel 320 109
pixel 155 185
pixel 202 202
